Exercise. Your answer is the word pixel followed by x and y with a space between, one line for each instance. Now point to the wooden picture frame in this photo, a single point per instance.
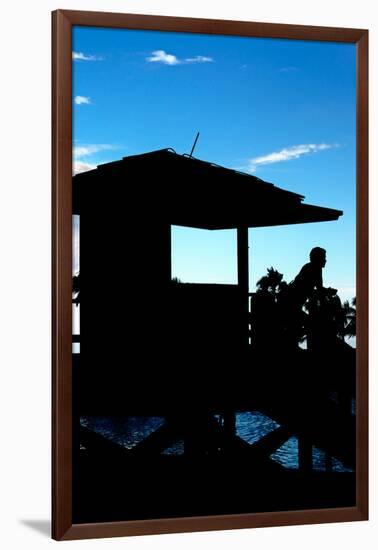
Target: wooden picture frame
pixel 63 527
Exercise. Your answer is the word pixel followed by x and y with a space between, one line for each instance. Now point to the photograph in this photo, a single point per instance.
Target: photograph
pixel 213 274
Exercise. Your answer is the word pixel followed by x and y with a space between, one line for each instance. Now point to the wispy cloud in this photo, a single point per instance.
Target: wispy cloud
pixel 79 166
pixel 288 70
pixel 160 56
pixel 289 153
pixel 198 59
pixel 80 56
pixel 82 100
pixel 80 151
pixel 80 154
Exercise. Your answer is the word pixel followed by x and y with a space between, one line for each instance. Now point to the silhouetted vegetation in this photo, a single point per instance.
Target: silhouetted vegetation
pixel 350 318
pixel 271 312
pixel 271 282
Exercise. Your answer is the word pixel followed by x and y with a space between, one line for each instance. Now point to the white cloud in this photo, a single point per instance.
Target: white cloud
pixel 78 167
pixel 82 100
pixel 198 59
pixel 160 56
pixel 81 152
pixel 288 70
pixel 289 153
pixel 85 150
pixel 80 56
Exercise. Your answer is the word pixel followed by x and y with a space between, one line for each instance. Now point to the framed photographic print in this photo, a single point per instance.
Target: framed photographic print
pixel 210 282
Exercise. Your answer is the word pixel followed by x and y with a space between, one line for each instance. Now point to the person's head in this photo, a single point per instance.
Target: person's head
pixel 318 256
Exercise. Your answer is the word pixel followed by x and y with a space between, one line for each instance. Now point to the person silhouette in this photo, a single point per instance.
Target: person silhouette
pixel 308 284
pixel 310 277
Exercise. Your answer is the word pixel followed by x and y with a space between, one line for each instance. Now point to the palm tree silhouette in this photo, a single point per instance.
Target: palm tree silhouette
pixel 350 318
pixel 271 283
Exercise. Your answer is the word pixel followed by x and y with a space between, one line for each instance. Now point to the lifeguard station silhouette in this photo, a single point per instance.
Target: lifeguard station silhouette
pixel 152 346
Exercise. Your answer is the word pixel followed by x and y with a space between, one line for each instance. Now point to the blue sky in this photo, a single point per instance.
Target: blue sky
pixel 283 110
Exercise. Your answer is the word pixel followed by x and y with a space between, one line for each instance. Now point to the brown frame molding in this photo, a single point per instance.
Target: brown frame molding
pixel 62 23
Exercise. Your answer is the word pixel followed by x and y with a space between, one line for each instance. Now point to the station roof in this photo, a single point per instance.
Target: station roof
pixel 194 193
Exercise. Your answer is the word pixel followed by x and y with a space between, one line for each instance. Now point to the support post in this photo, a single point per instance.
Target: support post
pixel 243 276
pixel 243 263
pixel 243 283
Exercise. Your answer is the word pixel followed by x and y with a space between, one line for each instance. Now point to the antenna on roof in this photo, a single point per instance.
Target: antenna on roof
pixel 194 144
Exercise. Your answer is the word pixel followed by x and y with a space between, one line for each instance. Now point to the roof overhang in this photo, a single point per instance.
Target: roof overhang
pixel 193 193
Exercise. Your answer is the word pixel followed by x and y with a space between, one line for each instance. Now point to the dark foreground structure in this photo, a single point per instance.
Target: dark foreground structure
pixel 153 347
